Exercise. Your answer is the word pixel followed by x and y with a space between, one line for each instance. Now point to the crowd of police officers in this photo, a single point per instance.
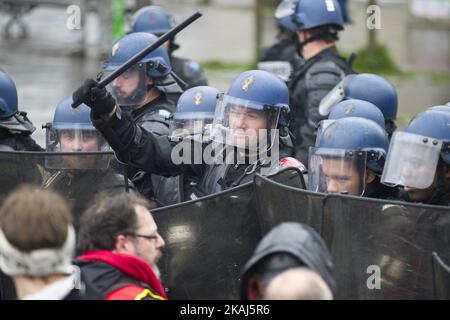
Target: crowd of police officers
pixel 305 106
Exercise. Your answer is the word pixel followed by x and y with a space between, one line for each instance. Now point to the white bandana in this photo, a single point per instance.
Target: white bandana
pixel 38 263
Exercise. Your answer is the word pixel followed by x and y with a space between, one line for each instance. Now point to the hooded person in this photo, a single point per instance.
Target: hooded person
pixel 287 246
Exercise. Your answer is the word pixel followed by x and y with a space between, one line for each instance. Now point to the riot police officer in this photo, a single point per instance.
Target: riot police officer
pixel 317 24
pixel 157 20
pixel 419 159
pixel 368 87
pixel 15 127
pixel 349 159
pixel 148 90
pixel 282 58
pixel 78 177
pixel 192 120
pixel 244 134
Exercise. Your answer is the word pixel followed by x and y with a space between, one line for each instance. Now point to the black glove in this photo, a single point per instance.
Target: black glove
pixel 98 99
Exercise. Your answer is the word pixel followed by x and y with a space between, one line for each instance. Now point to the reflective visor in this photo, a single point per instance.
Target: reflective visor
pixel 333 97
pixel 244 124
pixel 337 171
pixel 411 161
pixel 78 140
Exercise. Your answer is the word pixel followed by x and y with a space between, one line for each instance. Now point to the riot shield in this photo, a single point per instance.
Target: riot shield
pixel 78 177
pixel 382 249
pixel 208 241
pixel 292 177
pixel 441 278
pixel 279 203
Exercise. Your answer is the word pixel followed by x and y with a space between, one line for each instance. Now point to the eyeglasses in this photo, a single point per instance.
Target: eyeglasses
pixel 142 236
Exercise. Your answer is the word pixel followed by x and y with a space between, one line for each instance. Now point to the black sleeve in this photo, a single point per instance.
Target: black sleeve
pixel 320 80
pixel 141 149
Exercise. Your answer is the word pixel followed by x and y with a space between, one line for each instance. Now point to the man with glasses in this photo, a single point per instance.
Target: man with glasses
pixel 120 247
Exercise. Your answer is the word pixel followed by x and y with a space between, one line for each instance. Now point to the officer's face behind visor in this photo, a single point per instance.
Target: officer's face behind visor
pixel 190 124
pixel 337 171
pixel 130 88
pixel 243 124
pixel 78 141
pixel 411 161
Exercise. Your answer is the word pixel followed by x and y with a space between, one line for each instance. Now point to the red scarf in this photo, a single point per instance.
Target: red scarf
pixel 133 266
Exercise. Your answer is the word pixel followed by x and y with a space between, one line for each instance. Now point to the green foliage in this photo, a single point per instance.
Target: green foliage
pixel 376 60
pixel 227 65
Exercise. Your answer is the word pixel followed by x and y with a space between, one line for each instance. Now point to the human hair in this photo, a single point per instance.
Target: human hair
pixel 107 217
pixel 327 33
pixel 32 218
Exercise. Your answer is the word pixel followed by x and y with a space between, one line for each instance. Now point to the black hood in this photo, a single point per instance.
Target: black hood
pixel 299 240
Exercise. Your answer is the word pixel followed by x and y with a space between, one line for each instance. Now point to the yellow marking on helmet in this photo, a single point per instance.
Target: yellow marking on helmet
pixel 198 98
pixel 115 48
pixel 247 82
pixel 349 108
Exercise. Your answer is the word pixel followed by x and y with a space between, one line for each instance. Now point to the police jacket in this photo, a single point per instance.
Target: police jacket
pixel 377 190
pixel 152 117
pixel 311 82
pixel 189 71
pixel 151 153
pixel 17 142
pixel 284 51
pixel 441 197
pixel 120 276
pixel 299 240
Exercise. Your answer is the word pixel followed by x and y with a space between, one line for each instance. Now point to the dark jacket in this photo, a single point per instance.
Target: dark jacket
pixel 441 197
pixel 151 153
pixel 153 117
pixel 284 51
pixel 378 190
pixel 120 276
pixel 17 142
pixel 310 84
pixel 299 240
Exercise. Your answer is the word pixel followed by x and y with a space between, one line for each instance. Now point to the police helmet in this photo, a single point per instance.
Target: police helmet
pixel 414 154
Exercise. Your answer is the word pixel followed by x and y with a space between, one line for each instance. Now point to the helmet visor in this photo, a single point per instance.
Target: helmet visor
pixel 333 97
pixel 130 88
pixel 337 171
pixel 61 140
pixel 285 9
pixel 189 123
pixel 244 124
pixel 411 160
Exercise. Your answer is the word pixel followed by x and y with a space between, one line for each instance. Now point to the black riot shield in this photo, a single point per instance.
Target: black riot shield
pixel 279 203
pixel 208 241
pixel 382 249
pixel 76 176
pixel 441 278
pixel 292 177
